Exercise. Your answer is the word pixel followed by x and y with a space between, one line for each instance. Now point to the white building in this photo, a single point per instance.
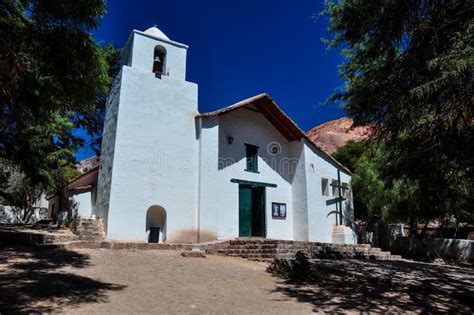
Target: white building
pixel 170 172
pixel 78 196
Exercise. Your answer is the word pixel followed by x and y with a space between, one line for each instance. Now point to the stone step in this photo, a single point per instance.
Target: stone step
pixel 88 238
pixel 253 246
pixel 248 251
pixel 89 226
pixel 90 229
pixel 266 260
pixel 263 249
pixel 291 250
pixel 245 242
pixel 379 255
pixel 253 255
pixel 91 233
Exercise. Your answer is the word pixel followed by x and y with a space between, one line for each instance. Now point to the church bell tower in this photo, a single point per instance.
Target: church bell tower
pixel 149 145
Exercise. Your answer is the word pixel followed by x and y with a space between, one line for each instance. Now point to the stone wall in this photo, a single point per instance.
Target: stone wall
pixel 430 249
pixel 90 229
pixel 33 235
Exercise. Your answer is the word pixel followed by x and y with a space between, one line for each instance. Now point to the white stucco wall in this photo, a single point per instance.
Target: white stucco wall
pixel 155 156
pixel 297 172
pixel 299 196
pixel 209 180
pixel 320 223
pixel 149 149
pixel 84 204
pixel 143 48
pixel 104 181
pixel 221 163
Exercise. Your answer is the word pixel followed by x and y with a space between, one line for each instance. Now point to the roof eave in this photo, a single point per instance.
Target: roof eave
pixel 295 132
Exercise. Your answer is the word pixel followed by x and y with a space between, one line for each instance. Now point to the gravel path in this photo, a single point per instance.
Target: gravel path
pixel 127 281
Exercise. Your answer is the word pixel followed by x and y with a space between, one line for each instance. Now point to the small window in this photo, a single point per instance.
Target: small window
pixel 325 186
pixel 335 189
pixel 252 158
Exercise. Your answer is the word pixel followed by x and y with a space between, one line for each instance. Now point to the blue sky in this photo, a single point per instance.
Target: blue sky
pixel 242 48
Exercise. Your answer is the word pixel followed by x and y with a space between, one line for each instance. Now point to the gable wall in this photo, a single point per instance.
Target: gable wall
pixel 219 197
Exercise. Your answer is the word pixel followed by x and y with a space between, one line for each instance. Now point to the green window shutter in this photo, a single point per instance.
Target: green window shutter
pixel 252 158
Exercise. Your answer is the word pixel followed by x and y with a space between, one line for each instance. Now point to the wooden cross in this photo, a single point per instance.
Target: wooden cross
pixel 339 199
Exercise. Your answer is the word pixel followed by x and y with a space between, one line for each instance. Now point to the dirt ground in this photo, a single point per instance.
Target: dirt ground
pixel 126 281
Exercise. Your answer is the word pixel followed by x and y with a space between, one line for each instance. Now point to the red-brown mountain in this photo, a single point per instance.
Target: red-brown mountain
pixel 333 134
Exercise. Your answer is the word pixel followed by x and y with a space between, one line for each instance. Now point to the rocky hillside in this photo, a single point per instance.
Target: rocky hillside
pixel 332 135
pixel 87 164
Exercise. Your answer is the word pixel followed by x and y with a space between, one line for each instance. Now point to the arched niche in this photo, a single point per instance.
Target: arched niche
pixel 156 219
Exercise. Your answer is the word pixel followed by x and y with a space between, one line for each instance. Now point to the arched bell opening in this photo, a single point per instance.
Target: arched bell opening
pixel 156 224
pixel 159 60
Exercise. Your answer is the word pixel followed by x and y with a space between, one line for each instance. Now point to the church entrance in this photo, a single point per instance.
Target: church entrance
pixel 251 211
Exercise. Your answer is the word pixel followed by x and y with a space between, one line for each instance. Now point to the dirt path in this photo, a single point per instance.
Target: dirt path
pixel 164 281
pixel 126 281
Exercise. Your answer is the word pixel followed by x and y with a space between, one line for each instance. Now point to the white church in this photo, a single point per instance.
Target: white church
pixel 169 173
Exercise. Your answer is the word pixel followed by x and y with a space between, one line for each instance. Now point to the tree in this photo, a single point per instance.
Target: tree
pixel 376 195
pixel 350 153
pixel 19 194
pixel 52 75
pixel 408 71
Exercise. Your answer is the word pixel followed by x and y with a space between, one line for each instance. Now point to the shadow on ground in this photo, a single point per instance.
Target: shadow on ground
pixel 30 280
pixel 398 286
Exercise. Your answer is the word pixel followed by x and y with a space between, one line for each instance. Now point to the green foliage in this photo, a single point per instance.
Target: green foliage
pixel 373 200
pixel 91 120
pixel 408 71
pixel 351 152
pixel 70 172
pixel 379 196
pixel 18 191
pixel 54 80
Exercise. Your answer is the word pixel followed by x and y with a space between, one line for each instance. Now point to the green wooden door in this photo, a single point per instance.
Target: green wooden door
pixel 245 210
pixel 258 211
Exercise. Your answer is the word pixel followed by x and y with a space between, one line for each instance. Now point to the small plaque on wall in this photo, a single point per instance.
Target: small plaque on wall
pixel 278 210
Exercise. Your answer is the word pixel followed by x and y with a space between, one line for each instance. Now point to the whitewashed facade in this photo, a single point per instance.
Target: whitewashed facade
pixel 192 177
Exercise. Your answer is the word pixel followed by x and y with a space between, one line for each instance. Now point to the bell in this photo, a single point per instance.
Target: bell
pixel 157 65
